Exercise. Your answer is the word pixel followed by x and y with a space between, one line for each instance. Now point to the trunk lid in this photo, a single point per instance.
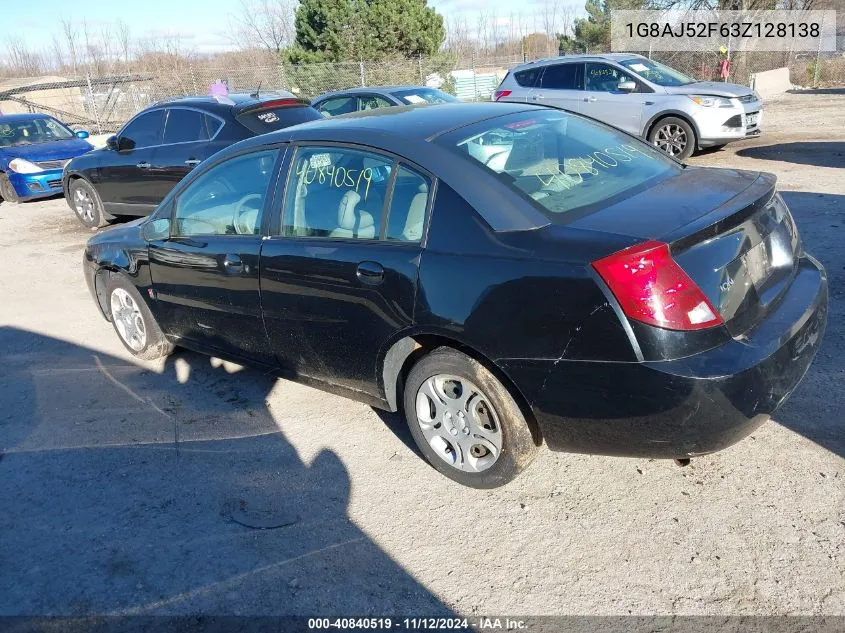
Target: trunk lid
pixel 729 231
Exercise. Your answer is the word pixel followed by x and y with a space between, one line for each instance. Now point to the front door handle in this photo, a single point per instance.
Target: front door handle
pixel 193 161
pixel 143 165
pixel 233 264
pixel 371 273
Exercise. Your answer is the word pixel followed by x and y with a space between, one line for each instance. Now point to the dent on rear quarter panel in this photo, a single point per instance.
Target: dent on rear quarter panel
pixel 503 301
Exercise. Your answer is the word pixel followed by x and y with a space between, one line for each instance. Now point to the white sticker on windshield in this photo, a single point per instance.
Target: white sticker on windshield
pixel 320 160
pixel 268 117
pixel 638 68
pixel 414 99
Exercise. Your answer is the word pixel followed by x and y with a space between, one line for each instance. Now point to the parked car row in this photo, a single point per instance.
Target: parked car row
pixel 504 274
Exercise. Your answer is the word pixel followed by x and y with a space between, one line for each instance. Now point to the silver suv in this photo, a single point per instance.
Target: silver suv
pixel 675 112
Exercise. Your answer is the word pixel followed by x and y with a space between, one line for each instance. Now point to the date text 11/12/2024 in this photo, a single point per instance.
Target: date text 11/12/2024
pixel 417 624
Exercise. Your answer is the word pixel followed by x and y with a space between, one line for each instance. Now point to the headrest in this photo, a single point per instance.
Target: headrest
pixel 346 210
pixel 423 188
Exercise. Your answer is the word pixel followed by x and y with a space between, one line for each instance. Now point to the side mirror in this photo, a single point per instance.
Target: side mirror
pixel 158 229
pixel 626 86
pixel 111 142
pixel 82 134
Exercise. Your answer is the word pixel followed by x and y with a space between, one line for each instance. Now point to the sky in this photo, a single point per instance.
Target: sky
pixel 202 25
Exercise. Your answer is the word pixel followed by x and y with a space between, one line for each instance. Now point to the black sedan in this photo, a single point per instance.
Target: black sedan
pixel 161 144
pixel 369 98
pixel 503 274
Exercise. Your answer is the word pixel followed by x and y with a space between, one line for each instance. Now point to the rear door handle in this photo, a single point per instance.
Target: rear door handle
pixel 233 264
pixel 143 165
pixel 536 97
pixel 590 99
pixel 371 273
pixel 193 161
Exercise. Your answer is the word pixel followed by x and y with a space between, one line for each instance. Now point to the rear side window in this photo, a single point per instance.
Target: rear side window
pixel 527 78
pixel 185 126
pixel 563 77
pixel 267 119
pixel 339 105
pixel 408 203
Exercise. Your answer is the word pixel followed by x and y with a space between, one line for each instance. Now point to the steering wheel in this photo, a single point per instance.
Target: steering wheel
pixel 241 209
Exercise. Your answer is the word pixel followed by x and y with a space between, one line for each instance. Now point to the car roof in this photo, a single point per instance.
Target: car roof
pixel 237 100
pixel 371 90
pixel 25 116
pixel 607 57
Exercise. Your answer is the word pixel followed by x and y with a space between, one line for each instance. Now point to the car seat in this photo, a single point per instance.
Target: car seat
pixel 416 215
pixel 353 222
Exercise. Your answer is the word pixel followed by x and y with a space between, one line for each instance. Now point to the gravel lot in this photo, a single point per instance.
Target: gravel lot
pixel 128 487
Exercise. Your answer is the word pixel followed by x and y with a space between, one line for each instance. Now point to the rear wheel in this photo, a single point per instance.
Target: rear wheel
pixel 134 323
pixel 86 203
pixel 7 191
pixel 465 421
pixel 674 136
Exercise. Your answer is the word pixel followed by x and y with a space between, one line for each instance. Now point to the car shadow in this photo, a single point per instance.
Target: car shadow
pixel 815 409
pixel 817 91
pixel 128 490
pixel 820 154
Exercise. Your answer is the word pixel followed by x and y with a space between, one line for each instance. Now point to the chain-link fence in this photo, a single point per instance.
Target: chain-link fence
pixel 104 103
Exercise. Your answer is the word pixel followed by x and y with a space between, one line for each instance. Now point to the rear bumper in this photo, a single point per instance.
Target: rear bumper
pixel 685 407
pixel 40 185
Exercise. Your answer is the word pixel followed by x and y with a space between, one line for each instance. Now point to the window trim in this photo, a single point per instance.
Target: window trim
pixel 275 229
pixel 208 140
pixel 281 150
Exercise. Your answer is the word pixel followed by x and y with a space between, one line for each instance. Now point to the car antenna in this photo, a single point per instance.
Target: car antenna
pixel 254 95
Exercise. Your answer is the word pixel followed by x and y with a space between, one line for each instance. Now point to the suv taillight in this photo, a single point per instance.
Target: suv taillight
pixel 500 94
pixel 652 288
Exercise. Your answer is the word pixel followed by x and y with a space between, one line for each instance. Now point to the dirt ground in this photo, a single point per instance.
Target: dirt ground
pixel 137 488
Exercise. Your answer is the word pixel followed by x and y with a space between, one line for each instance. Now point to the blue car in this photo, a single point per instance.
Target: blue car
pixel 33 151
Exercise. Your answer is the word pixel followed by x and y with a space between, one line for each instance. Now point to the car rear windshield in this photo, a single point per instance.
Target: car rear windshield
pixel 261 120
pixel 562 162
pixel 657 73
pixel 423 95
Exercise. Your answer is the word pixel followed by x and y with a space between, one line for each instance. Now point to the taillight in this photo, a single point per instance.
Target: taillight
pixel 652 288
pixel 499 94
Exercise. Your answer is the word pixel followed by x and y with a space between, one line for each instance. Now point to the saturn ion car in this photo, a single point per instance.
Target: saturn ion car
pixel 505 275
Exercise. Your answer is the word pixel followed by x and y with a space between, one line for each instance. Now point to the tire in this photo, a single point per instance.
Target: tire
pixel 129 314
pixel 86 204
pixel 674 136
pixel 475 434
pixel 7 191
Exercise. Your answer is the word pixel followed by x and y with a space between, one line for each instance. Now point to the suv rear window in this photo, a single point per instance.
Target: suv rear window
pixel 562 162
pixel 527 78
pixel 261 120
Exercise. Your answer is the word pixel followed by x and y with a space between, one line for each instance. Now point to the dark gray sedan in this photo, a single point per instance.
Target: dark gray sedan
pixel 369 98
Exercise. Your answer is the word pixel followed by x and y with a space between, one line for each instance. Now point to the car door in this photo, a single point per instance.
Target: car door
pixel 560 86
pixel 205 274
pixel 124 180
pixel 602 99
pixel 339 276
pixel 188 140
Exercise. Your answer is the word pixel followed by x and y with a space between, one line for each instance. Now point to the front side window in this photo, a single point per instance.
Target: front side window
pixel 32 131
pixel 336 192
pixel 340 105
pixel 371 102
pixel 562 162
pixel 144 131
pixel 186 126
pixel 228 199
pixel 604 78
pixel 656 72
pixel 562 77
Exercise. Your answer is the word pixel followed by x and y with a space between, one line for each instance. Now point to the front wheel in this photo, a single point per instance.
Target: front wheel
pixel 465 421
pixel 7 191
pixel 134 323
pixel 86 203
pixel 674 136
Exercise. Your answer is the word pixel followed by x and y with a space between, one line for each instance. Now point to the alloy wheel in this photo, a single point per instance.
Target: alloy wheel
pixel 672 139
pixel 83 204
pixel 128 319
pixel 459 423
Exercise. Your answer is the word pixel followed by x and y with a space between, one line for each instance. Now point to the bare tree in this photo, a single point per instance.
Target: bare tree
pixel 21 60
pixel 266 24
pixel 71 37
